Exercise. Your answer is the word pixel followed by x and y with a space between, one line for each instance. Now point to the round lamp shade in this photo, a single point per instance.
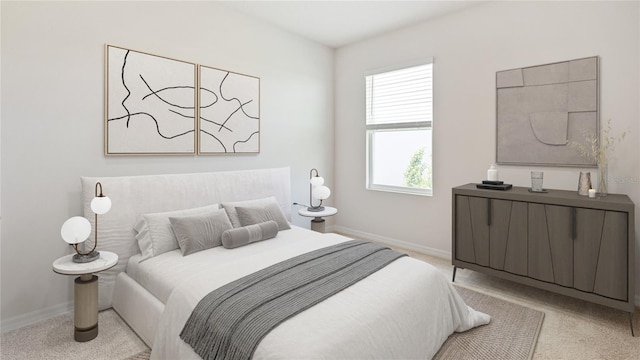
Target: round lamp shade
pixel 75 230
pixel 321 192
pixel 316 181
pixel 100 205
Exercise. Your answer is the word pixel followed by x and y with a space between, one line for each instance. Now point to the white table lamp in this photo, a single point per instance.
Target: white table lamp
pixel 77 229
pixel 317 190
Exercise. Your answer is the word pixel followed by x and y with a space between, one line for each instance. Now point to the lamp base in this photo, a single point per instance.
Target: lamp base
pixel 85 258
pixel 315 208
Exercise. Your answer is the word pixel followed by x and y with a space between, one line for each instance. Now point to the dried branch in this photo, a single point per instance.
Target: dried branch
pixel 597 150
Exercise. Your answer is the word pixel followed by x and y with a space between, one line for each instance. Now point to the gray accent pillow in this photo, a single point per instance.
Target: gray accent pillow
pixel 230 207
pixel 255 215
pixel 154 233
pixel 200 232
pixel 241 236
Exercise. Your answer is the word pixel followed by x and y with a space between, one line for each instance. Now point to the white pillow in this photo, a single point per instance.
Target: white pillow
pixel 155 235
pixel 230 208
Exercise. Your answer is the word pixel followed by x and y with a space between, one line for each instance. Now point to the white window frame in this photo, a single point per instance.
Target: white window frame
pixel 416 125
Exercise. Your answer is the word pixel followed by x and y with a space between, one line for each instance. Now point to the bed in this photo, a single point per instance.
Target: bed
pixel 405 310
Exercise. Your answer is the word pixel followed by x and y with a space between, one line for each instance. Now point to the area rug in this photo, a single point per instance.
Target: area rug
pixel 145 355
pixel 512 333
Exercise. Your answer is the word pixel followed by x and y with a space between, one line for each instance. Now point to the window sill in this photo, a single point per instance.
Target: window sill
pixel 401 190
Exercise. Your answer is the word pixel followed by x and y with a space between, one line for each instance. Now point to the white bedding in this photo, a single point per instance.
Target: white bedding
pixel 162 273
pixel 387 315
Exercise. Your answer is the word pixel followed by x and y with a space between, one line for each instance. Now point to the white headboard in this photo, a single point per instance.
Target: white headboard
pixel 135 195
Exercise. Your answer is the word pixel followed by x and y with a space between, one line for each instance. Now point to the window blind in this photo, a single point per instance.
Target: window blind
pixel 401 97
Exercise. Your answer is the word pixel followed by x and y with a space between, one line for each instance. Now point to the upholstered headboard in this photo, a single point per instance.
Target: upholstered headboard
pixel 132 196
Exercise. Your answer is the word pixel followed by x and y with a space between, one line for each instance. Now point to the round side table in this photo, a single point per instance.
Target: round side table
pixel 317 223
pixel 85 306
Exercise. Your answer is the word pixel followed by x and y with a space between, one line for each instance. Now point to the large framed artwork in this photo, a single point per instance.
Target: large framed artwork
pixel 150 104
pixel 543 111
pixel 229 112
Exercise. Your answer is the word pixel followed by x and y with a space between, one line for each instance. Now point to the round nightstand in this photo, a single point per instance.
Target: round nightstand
pixel 317 223
pixel 85 305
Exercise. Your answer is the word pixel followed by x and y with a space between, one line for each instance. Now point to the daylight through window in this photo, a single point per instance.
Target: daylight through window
pixel 399 119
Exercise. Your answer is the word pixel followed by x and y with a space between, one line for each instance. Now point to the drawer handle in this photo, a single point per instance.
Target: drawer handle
pixel 573 223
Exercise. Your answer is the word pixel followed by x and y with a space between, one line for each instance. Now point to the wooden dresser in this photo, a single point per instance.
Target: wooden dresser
pixel 557 241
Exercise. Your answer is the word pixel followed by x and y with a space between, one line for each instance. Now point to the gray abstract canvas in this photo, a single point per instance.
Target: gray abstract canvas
pixel 542 110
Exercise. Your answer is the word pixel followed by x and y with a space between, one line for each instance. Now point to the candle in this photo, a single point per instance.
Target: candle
pixel 492 173
pixel 592 193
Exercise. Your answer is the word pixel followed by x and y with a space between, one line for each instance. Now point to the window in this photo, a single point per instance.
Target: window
pixel 399 117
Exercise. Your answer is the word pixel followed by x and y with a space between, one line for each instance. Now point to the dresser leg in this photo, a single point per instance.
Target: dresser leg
pixel 631 323
pixel 454 274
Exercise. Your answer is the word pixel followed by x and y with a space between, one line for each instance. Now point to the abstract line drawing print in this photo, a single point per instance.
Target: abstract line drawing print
pixel 150 104
pixel 541 110
pixel 229 112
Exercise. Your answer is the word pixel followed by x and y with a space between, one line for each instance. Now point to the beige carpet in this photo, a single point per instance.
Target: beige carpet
pixel 52 339
pixel 512 333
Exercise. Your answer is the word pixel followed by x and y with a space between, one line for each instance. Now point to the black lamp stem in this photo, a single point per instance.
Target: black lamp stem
pixel 311 188
pixel 311 207
pixel 84 257
pixel 96 192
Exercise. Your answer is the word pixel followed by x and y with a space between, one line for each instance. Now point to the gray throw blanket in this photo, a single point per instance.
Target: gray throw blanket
pixel 230 322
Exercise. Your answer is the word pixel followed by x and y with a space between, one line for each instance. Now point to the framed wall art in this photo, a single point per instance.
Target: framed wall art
pixel 541 111
pixel 150 104
pixel 229 117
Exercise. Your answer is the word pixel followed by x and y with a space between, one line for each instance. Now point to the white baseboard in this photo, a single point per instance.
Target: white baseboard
pixel 390 241
pixel 35 316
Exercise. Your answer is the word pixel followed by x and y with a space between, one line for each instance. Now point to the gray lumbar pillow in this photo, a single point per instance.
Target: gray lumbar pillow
pixel 233 238
pixel 258 214
pixel 200 232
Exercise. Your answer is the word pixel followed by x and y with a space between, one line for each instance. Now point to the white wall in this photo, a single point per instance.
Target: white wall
pixel 52 118
pixel 468 48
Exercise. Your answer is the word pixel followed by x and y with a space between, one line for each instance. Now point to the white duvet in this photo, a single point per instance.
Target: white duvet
pixel 404 311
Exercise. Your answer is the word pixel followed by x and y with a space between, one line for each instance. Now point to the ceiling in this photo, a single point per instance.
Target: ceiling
pixel 338 23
